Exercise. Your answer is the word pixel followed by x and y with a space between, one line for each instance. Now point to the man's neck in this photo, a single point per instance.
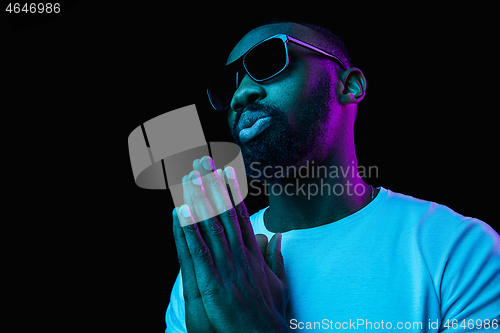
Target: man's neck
pixel 316 195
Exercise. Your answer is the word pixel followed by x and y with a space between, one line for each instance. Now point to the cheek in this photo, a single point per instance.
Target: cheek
pixel 301 95
pixel 302 83
pixel 291 92
pixel 230 118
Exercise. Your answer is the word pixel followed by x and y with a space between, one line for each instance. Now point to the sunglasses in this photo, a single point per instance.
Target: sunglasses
pixel 262 62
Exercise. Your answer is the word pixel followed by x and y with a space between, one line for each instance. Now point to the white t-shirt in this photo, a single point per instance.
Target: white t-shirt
pixel 398 263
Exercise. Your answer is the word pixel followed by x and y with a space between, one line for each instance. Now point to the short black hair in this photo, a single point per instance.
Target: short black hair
pixel 338 46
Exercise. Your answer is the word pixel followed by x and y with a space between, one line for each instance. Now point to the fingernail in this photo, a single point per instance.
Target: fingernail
pixel 208 164
pixel 195 177
pixel 230 173
pixel 219 172
pixel 185 211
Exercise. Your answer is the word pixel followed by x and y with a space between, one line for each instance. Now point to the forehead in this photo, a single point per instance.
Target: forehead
pixel 292 29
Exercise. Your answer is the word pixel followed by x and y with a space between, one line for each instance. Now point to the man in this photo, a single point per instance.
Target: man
pixel 341 255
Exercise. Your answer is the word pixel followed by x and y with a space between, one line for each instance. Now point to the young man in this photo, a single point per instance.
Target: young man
pixel 342 254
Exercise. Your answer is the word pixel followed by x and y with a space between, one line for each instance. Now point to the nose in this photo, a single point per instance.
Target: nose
pixel 248 92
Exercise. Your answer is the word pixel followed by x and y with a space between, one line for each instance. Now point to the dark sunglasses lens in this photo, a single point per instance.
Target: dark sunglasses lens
pixel 221 89
pixel 266 59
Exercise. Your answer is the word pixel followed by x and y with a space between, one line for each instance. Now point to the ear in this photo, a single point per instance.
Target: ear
pixel 352 86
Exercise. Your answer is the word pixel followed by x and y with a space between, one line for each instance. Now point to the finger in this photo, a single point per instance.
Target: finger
pixel 186 188
pixel 274 258
pixel 211 229
pixel 216 192
pixel 228 189
pixel 197 166
pixel 246 229
pixel 195 197
pixel 201 257
pixel 221 176
pixel 232 181
pixel 214 186
pixel 190 286
pixel 262 242
pixel 196 316
pixel 195 162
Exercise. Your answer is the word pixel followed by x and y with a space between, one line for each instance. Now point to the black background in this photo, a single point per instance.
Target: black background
pixel 78 83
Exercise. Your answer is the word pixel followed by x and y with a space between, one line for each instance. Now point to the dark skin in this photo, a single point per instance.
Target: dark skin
pixel 232 279
pixel 336 146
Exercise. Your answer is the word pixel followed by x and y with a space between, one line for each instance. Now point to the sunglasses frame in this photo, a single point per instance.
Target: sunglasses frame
pixel 241 62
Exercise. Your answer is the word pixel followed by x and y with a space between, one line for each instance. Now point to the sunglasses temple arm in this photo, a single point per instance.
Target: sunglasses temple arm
pixel 314 48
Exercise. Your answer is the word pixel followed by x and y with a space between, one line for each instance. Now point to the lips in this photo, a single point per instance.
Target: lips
pixel 251 124
pixel 258 127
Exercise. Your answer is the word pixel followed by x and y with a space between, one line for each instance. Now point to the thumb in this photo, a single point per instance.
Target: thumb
pixel 274 257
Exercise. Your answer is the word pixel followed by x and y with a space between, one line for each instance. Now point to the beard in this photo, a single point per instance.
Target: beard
pixel 267 156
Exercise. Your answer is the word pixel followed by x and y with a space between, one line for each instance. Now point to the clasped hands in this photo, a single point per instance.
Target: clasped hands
pixel 233 280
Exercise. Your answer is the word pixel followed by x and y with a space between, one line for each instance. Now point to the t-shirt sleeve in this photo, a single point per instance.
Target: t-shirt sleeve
pixel 470 283
pixel 175 315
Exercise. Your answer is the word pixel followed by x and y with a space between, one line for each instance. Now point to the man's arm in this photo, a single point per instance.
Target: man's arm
pixel 470 284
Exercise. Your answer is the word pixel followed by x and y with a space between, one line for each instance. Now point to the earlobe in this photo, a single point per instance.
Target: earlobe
pixel 352 87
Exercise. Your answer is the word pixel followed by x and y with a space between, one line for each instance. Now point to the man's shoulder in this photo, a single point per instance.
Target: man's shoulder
pixel 409 207
pixel 431 219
